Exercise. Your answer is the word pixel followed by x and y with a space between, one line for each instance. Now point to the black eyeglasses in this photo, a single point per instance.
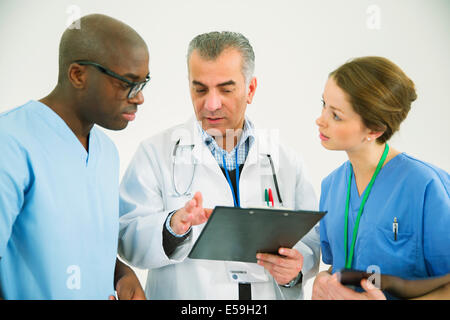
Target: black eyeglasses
pixel 135 87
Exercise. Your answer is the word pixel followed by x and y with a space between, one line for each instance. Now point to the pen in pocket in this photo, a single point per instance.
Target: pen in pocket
pixel 268 197
pixel 395 228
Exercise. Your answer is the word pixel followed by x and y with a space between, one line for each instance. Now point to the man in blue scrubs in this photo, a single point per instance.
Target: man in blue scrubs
pixel 59 173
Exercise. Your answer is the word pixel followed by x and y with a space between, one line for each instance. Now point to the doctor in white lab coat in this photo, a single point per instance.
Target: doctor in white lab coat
pixel 178 176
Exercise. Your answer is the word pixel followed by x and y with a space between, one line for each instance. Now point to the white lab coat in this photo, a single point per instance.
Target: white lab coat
pixel 147 196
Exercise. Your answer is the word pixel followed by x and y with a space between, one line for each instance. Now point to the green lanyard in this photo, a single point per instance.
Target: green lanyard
pixel 349 258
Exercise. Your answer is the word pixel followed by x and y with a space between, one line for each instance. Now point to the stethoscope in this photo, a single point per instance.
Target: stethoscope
pixel 236 197
pixel 174 155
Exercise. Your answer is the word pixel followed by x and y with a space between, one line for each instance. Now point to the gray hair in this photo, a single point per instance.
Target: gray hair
pixel 211 45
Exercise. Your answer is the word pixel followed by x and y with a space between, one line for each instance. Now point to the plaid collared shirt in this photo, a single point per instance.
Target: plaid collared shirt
pixel 242 147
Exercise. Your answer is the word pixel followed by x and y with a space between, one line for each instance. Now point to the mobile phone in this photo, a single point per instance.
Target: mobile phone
pixel 350 277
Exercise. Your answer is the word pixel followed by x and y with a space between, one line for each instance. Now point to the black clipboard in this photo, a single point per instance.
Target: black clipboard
pixel 237 234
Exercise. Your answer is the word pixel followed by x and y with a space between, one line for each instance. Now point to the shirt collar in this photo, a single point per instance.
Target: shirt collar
pixel 248 132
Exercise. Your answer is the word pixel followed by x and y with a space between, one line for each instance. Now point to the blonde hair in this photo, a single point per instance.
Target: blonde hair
pixel 379 91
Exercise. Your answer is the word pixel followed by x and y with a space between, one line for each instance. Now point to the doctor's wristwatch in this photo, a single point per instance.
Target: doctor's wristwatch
pixel 298 279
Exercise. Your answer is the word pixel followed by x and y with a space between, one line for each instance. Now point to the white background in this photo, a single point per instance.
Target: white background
pixel 297 43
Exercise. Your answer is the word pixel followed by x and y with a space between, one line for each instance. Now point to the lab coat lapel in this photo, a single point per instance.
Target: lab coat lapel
pixel 257 164
pixel 201 154
pixel 209 169
pixel 189 135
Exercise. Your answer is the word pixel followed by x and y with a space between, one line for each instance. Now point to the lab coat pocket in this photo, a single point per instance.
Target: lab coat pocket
pixel 268 195
pixel 396 254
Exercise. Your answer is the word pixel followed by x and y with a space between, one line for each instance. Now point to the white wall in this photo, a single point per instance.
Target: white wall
pixel 297 43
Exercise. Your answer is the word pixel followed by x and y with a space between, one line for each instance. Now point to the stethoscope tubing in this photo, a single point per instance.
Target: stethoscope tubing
pixel 236 201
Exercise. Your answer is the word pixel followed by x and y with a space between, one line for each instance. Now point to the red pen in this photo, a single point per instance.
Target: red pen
pixel 270 196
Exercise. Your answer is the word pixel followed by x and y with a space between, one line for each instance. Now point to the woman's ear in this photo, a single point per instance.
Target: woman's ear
pixel 374 135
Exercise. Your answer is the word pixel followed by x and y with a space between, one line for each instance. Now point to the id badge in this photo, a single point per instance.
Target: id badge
pixel 246 272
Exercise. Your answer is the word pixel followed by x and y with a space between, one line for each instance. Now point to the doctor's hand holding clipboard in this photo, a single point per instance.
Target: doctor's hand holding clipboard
pixel 284 267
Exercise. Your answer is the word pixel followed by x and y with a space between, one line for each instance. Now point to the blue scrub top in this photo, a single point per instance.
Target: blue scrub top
pixel 414 192
pixel 58 208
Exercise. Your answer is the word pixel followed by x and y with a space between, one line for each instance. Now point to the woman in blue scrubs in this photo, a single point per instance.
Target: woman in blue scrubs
pixel 388 212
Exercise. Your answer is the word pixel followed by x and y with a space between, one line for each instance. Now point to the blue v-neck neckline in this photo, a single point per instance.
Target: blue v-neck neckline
pixel 63 130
